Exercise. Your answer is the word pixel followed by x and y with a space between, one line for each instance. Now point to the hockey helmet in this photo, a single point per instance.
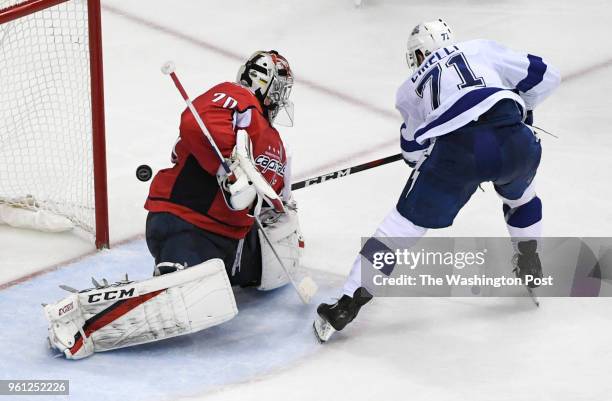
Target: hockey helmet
pixel 267 74
pixel 426 38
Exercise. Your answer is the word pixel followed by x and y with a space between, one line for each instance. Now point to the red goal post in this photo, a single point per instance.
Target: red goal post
pixel 87 210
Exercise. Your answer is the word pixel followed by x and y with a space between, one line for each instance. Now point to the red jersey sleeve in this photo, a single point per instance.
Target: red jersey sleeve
pixel 217 108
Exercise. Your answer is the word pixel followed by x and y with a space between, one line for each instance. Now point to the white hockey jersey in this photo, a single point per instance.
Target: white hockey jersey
pixel 457 84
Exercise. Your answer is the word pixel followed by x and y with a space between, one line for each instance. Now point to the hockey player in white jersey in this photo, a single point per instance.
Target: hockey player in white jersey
pixel 465 109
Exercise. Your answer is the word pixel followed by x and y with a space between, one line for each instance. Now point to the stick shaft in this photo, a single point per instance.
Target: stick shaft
pixel 344 172
pixel 179 86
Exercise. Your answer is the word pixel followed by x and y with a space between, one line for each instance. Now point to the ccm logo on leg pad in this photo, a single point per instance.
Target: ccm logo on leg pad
pixel 111 295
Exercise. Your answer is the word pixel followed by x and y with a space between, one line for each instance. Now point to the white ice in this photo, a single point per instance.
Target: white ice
pixel 269 333
pixel 418 349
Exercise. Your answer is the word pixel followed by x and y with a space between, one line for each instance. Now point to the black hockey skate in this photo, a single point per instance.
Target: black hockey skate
pixel 527 263
pixel 332 318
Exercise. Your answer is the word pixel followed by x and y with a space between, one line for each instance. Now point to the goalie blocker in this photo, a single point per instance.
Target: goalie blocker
pixel 178 300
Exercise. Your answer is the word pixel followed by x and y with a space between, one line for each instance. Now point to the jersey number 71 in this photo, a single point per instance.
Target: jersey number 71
pixel 462 68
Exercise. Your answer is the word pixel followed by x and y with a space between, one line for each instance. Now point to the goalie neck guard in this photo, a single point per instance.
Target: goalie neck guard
pixel 267 74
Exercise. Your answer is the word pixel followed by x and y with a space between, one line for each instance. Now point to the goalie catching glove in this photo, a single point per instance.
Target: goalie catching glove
pixel 246 183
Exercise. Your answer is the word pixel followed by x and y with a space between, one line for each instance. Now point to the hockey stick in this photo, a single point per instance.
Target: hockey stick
pixel 306 288
pixel 365 166
pixel 543 130
pixel 344 172
pixel 168 69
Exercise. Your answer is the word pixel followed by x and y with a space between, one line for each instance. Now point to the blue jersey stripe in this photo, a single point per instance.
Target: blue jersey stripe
pixel 412 146
pixel 525 215
pixel 465 103
pixel 535 74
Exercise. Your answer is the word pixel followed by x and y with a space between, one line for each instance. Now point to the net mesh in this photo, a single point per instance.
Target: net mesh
pixel 46 151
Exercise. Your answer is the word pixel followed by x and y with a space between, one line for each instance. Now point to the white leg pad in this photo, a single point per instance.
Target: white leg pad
pixel 131 313
pixel 287 240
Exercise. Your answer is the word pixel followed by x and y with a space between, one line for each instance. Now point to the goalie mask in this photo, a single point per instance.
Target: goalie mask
pixel 426 38
pixel 267 74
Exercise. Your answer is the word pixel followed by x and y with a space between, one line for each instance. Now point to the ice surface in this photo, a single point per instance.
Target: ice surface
pixel 349 63
pixel 272 330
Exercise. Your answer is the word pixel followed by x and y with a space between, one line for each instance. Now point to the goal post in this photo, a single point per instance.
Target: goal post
pixel 52 134
pixel 98 128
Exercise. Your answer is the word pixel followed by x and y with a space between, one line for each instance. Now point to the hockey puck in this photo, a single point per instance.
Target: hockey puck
pixel 144 173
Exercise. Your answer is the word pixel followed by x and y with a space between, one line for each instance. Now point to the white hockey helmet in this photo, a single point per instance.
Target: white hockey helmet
pixel 426 38
pixel 267 74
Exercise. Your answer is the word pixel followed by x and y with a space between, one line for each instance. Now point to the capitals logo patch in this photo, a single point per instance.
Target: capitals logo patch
pixel 266 163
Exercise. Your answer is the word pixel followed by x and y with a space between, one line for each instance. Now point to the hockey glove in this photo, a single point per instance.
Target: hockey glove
pixel 240 193
pixel 243 154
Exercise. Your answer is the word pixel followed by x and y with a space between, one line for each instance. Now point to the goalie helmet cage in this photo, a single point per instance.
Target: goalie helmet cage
pixel 52 141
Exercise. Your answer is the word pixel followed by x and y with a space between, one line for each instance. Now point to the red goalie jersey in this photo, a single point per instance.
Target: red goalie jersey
pixel 189 189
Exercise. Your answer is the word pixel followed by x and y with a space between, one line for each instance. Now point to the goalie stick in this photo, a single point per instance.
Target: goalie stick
pixel 344 172
pixel 306 288
pixel 168 69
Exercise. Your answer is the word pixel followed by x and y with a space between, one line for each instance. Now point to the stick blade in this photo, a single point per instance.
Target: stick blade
pixel 307 289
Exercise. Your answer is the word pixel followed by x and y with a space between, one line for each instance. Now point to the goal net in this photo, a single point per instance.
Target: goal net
pixel 51 112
